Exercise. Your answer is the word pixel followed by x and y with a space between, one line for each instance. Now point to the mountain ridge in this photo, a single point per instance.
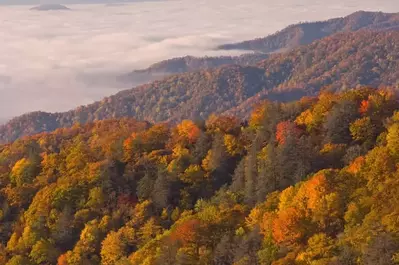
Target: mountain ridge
pixel 307 32
pixel 353 22
pixel 186 64
pixel 339 61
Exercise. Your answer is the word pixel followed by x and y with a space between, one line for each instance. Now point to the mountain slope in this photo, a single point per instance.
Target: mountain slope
pixel 188 64
pixel 306 33
pixel 308 182
pixel 340 61
pixel 290 37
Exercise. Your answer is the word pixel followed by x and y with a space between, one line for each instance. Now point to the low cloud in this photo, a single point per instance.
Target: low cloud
pixel 55 60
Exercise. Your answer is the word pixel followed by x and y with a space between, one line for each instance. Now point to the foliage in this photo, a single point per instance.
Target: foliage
pixel 334 63
pixel 287 187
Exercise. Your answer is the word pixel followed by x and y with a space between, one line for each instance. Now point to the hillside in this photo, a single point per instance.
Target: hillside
pixel 305 33
pixel 309 182
pixel 288 38
pixel 188 64
pixel 334 63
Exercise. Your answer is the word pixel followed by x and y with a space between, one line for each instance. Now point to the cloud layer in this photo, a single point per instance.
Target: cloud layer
pixel 57 60
pixel 35 2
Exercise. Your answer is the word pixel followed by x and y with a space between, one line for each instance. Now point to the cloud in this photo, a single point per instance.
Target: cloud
pixel 55 61
pixel 36 2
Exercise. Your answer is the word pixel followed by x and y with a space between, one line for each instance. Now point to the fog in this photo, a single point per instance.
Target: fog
pixel 36 2
pixel 57 60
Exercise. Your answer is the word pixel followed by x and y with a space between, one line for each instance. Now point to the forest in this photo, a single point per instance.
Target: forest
pixel 309 182
pixel 341 61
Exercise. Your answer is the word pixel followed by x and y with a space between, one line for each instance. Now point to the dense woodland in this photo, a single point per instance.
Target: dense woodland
pixel 314 181
pixel 336 63
pixel 305 33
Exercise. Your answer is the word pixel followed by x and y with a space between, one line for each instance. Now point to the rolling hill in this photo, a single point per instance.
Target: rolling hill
pixel 335 63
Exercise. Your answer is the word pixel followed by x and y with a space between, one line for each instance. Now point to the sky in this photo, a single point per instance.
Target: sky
pixel 36 2
pixel 58 60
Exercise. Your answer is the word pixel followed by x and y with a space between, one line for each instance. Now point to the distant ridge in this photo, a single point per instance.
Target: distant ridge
pixel 50 7
pixel 284 40
pixel 188 64
pixel 305 33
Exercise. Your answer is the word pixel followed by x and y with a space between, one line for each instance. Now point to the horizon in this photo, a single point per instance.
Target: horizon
pixel 65 2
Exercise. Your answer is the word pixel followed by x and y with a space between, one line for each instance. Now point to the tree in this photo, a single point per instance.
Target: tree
pixel 268 253
pixel 187 132
pixel 186 232
pixel 248 247
pixel 3 254
pixel 63 231
pixel 269 174
pixel 44 252
pixel 149 230
pixel 145 185
pixel 293 170
pixel 223 124
pixel 193 175
pixel 393 139
pixel 201 147
pixel 113 248
pixel 19 260
pixel 78 156
pixel 381 250
pixel 233 146
pixel 87 248
pixel 224 251
pixel 265 117
pixel 287 227
pixel 238 182
pixel 363 130
pixel 338 122
pixel 161 192
pixel 321 250
pixel 23 172
pixel 251 175
pixel 96 198
pixel 286 129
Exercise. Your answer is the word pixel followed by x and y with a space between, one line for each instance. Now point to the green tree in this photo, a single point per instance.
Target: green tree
pixel 44 252
pixel 19 260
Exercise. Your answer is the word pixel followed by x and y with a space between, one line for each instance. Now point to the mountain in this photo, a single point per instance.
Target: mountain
pixel 49 7
pixel 334 63
pixel 288 38
pixel 308 182
pixel 305 33
pixel 188 64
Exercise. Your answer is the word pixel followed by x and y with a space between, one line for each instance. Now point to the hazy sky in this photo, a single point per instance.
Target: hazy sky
pixel 57 60
pixel 35 2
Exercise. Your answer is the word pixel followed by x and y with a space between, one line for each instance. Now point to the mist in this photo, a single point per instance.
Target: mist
pixel 37 2
pixel 58 60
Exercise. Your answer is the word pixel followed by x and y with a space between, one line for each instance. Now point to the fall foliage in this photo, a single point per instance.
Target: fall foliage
pixel 307 182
